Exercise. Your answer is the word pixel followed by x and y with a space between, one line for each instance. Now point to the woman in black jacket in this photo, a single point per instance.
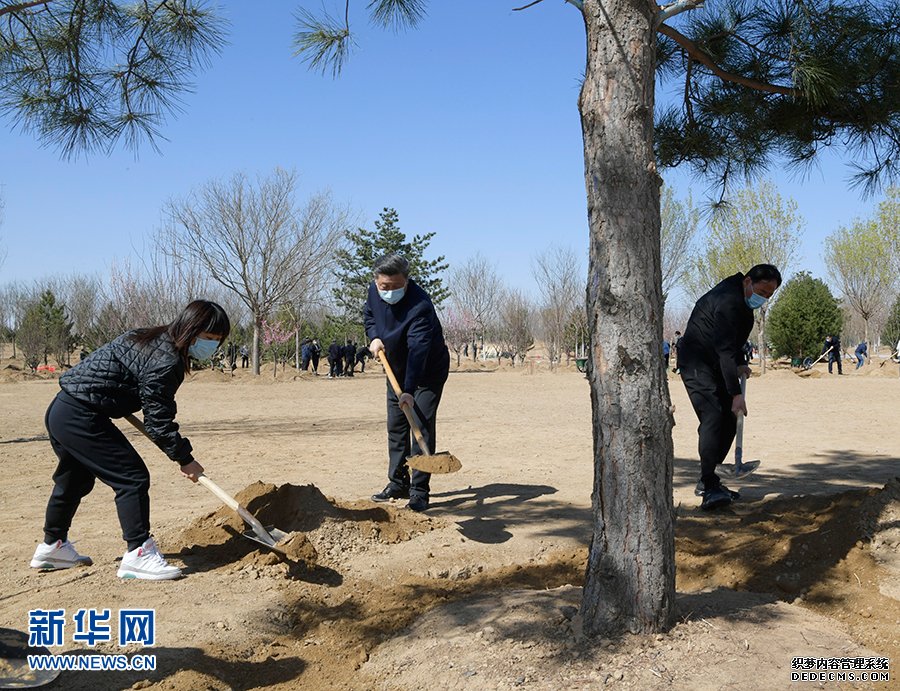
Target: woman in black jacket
pixel 139 370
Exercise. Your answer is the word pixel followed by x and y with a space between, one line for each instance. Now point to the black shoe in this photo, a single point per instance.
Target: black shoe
pixel 391 492
pixel 418 504
pixel 734 495
pixel 715 499
pixel 700 490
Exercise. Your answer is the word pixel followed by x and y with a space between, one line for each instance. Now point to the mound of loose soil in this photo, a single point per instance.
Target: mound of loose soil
pixel 810 374
pixel 322 531
pixel 889 370
pixel 881 522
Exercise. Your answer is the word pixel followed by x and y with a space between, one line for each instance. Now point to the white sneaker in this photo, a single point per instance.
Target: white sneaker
pixel 146 562
pixel 59 555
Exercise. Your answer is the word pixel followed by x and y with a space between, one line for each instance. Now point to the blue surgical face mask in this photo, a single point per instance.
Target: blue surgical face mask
pixel 203 349
pixel 392 297
pixel 755 301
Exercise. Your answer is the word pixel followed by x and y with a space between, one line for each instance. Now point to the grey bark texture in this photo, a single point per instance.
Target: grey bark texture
pixel 630 580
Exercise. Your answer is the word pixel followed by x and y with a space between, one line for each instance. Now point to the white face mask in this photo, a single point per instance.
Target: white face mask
pixel 392 297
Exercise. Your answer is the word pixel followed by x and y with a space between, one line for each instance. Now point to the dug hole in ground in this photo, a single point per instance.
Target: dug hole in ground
pixel 482 591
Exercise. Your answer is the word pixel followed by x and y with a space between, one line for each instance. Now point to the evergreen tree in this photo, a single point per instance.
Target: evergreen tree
pixel 56 327
pixel 32 337
pixel 354 272
pixel 805 313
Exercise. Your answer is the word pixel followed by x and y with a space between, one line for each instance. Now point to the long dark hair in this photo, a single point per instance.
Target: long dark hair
pixel 198 317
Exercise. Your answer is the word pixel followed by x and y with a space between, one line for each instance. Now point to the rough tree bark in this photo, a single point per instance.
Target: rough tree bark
pixel 630 580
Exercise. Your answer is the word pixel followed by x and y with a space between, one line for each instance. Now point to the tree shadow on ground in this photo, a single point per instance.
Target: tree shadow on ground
pixel 385 611
pixel 831 472
pixel 491 511
pixel 783 545
pixel 233 674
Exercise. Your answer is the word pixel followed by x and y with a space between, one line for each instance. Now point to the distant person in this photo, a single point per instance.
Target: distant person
pixel 245 357
pixel 315 352
pixel 833 348
pixel 711 359
pixel 349 358
pixel 305 354
pixel 676 343
pixel 362 354
pixel 335 360
pixel 748 351
pixel 862 350
pixel 400 320
pixel 666 351
pixel 139 370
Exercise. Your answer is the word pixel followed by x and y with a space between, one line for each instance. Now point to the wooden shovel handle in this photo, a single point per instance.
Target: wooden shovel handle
pixel 232 503
pixel 397 390
pixel 229 501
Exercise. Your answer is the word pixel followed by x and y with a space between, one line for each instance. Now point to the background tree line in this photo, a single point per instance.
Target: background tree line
pixel 250 245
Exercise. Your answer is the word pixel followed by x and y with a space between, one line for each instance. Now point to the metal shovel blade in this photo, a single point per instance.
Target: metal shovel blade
pixel 439 463
pixel 747 468
pixel 15 673
pixel 271 538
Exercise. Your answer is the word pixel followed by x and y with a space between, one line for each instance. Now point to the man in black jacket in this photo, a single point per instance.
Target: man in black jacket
pixel 833 348
pixel 335 359
pixel 711 360
pixel 400 320
pixel 362 354
pixel 349 358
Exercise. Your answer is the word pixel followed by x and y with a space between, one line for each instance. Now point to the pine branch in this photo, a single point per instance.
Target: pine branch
pixel 694 51
pixel 676 8
pixel 23 6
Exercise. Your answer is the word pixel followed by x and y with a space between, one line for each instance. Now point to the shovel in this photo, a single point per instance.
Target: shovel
pixel 740 469
pixel 441 462
pixel 267 536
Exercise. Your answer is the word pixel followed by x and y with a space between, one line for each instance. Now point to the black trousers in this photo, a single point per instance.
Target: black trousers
pixel 400 443
pixel 712 403
pixel 90 447
pixel 834 359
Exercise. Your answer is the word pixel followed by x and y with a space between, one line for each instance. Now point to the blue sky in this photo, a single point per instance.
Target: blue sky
pixel 468 126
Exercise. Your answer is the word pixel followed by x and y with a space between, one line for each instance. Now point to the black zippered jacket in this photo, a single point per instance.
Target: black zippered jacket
pixel 123 377
pixel 412 335
pixel 717 331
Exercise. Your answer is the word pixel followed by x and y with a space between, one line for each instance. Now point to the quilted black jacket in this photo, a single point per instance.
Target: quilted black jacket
pixel 123 377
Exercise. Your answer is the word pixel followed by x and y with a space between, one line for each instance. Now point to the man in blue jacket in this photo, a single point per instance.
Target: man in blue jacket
pixel 711 359
pixel 400 319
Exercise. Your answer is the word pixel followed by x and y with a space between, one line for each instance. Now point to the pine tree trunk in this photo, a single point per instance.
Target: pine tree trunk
pixel 630 580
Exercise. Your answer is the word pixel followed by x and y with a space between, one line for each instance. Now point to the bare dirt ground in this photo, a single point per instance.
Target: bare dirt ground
pixel 483 591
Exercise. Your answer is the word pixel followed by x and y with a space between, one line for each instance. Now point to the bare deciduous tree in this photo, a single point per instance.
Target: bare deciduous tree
pixel 254 240
pixel 558 275
pixel 458 327
pixel 514 332
pixel 474 290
